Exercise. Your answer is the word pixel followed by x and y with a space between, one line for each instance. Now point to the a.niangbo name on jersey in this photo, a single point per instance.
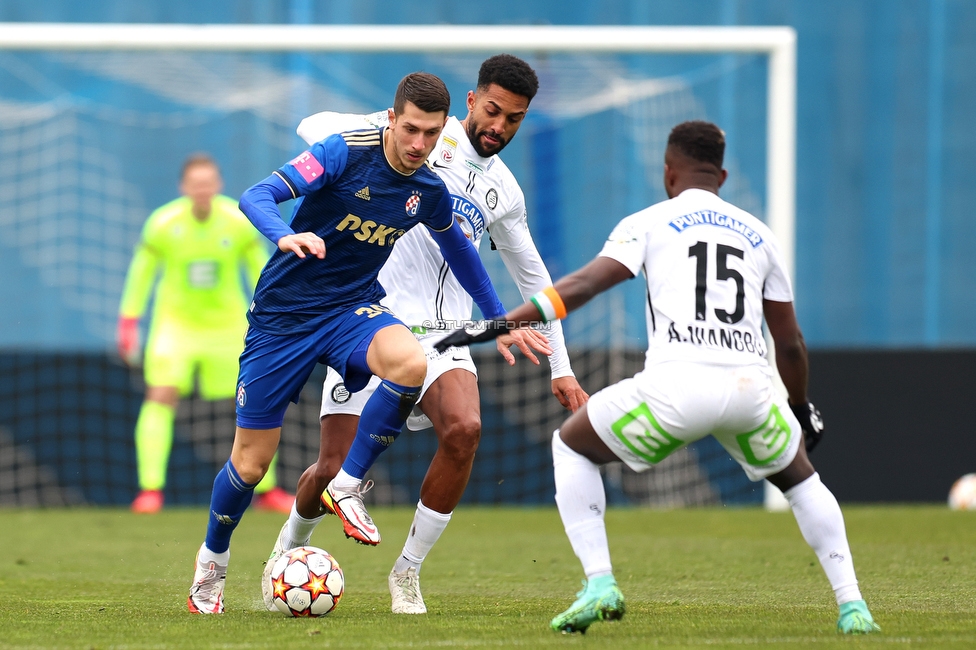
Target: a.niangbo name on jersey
pixel 710 218
pixel 730 338
pixel 369 231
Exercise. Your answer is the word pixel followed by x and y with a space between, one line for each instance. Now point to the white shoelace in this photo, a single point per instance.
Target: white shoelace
pixel 209 585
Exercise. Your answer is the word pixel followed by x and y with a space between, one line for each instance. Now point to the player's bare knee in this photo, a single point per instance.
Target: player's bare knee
pixel 410 370
pixel 252 470
pixel 460 439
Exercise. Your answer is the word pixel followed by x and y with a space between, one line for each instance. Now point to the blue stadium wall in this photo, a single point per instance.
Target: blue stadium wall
pixel 886 249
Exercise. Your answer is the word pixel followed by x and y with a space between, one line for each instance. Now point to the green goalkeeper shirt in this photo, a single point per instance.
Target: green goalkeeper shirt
pixel 201 266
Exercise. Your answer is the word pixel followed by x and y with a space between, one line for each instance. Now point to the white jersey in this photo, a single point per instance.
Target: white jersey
pixel 420 287
pixel 708 267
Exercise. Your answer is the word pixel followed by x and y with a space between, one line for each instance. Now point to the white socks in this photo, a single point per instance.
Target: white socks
pixel 346 482
pixel 582 501
pixel 206 556
pixel 299 529
pixel 822 525
pixel 424 532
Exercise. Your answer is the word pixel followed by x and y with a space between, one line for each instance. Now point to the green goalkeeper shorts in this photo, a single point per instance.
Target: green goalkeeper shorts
pixel 177 354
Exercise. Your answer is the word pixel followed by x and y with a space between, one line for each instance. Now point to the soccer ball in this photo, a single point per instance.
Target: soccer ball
pixel 962 495
pixel 306 581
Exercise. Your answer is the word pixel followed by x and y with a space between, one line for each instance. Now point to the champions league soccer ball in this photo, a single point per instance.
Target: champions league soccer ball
pixel 306 581
pixel 962 495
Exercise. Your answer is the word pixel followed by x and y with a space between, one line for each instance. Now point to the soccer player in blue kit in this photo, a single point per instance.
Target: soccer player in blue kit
pixel 317 301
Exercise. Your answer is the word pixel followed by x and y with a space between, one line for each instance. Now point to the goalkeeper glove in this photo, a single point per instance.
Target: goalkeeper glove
pixel 810 421
pixel 128 338
pixel 485 330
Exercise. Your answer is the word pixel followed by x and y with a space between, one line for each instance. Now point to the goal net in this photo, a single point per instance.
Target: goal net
pixel 93 130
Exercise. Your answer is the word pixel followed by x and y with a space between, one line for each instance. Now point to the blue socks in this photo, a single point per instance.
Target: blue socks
pixel 230 498
pixel 379 425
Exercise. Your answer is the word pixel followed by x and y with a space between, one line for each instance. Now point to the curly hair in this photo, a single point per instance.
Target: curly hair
pixel 511 73
pixel 699 140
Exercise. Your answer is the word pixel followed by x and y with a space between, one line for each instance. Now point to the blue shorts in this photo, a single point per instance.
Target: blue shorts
pixel 275 367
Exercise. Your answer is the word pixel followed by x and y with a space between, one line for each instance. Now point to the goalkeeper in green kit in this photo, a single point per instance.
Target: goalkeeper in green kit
pixel 201 248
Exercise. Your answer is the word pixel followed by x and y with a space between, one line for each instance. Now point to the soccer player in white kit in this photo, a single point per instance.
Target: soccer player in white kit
pixel 713 271
pixel 425 295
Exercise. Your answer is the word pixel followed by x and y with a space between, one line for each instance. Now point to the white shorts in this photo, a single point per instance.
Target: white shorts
pixel 337 400
pixel 670 404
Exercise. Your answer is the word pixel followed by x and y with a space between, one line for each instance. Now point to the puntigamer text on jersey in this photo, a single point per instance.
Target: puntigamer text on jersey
pixel 710 218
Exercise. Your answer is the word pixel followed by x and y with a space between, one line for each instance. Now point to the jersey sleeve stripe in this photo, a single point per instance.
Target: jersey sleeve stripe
pixel 362 138
pixel 442 229
pixel 294 192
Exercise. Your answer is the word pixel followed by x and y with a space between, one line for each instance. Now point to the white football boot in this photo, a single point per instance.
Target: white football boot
pixel 207 591
pixel 405 590
pixel 356 522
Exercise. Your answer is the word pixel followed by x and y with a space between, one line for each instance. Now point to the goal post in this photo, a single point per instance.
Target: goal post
pixel 778 44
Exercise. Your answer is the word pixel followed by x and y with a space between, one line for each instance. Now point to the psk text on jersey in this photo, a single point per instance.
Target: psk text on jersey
pixel 369 231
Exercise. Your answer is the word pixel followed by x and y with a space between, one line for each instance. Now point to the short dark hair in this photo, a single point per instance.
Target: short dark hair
pixel 425 91
pixel 199 159
pixel 699 140
pixel 511 73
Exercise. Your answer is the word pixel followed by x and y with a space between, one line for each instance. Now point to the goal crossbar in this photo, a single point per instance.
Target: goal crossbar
pixel 779 43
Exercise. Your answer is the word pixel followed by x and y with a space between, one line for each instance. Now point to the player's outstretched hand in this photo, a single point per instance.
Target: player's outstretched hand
pixel 527 340
pixel 569 393
pixel 485 330
pixel 810 421
pixel 302 244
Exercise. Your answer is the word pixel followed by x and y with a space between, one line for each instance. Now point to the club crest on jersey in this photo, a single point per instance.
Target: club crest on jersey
pixel 413 204
pixel 491 198
pixel 241 395
pixel 339 394
pixel 468 216
pixel 450 146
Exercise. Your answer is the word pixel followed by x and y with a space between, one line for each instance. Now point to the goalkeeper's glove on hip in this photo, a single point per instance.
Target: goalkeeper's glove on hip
pixel 810 421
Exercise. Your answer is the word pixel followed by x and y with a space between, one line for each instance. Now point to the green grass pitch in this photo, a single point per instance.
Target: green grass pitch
pixel 710 578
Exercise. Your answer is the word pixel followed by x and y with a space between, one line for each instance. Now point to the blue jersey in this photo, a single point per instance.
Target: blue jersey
pixel 351 197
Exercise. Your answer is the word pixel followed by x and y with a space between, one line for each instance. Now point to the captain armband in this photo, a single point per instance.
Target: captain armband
pixel 550 305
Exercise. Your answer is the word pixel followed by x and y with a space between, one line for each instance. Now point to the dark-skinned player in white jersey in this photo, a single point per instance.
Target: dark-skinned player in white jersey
pixel 713 273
